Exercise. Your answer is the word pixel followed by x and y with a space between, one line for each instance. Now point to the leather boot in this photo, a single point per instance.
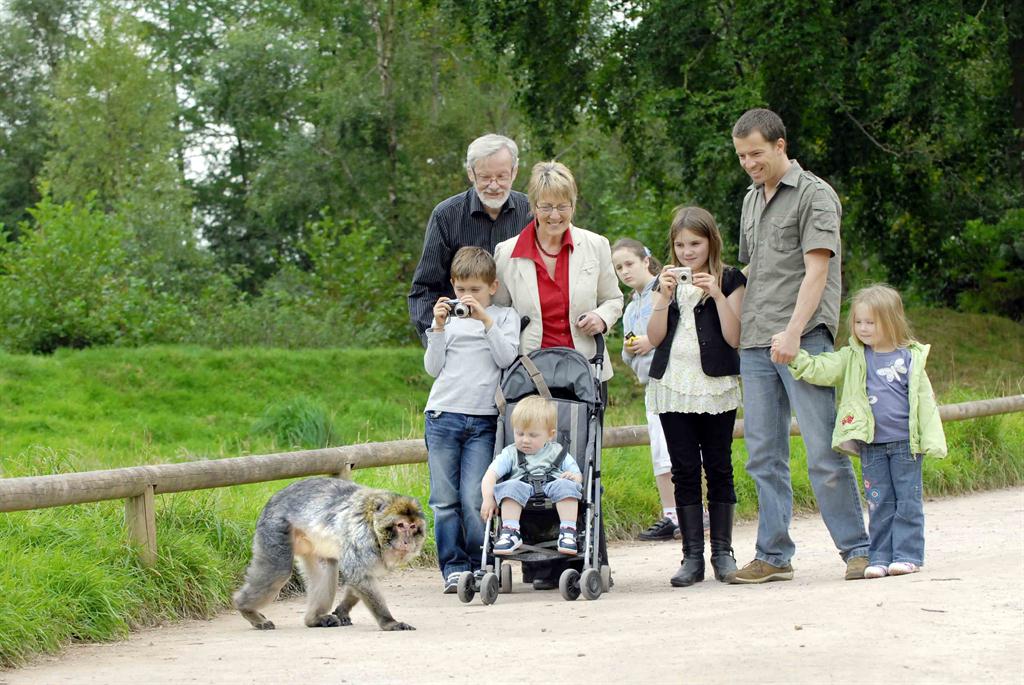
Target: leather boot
pixel 691 523
pixel 722 560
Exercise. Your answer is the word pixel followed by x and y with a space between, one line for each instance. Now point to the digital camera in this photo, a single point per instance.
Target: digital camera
pixel 458 308
pixel 683 274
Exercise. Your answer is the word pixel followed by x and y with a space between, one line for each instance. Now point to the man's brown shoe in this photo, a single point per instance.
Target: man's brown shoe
pixel 855 567
pixel 759 571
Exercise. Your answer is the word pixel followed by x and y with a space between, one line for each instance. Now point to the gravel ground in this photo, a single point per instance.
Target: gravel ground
pixel 961 620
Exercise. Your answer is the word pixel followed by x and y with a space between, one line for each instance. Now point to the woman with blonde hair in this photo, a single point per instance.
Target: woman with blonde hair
pixel 559 278
pixel 558 274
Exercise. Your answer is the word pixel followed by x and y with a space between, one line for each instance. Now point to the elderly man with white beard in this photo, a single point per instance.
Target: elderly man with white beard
pixel 482 216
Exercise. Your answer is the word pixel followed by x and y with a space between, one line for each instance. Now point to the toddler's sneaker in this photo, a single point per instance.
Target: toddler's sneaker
pixel 876 572
pixel 902 568
pixel 508 541
pixel 567 541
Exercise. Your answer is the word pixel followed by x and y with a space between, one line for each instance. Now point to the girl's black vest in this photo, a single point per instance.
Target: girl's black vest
pixel 717 357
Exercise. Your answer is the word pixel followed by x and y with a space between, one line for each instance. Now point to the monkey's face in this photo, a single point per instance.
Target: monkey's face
pixel 401 530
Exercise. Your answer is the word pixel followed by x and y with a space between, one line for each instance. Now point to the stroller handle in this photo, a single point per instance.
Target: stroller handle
pixel 598 359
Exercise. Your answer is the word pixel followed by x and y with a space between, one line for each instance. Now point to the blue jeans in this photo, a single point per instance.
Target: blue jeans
pixel 769 392
pixel 460 447
pixel 519 491
pixel 892 486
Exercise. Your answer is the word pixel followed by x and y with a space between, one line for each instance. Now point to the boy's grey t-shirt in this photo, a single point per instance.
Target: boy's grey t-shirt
pixel 888 387
pixel 467 361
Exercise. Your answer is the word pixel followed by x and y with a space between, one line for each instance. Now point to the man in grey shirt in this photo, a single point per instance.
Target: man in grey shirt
pixel 789 236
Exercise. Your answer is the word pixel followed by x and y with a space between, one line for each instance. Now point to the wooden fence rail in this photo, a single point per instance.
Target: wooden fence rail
pixel 138 485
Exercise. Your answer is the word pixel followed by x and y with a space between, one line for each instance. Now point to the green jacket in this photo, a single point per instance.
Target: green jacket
pixel 846 369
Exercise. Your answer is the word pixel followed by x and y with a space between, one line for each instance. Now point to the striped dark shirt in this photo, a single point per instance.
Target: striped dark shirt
pixel 459 221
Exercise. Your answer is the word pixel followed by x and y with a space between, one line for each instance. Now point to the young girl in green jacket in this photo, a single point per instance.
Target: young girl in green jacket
pixel 887 415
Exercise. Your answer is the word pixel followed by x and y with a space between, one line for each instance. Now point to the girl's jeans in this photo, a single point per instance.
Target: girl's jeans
pixel 892 486
pixel 460 447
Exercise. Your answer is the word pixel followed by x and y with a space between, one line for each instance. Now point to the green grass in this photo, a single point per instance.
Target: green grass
pixel 70 574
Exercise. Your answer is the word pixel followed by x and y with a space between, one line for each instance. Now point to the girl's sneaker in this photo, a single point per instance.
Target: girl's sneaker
pixel 902 568
pixel 508 541
pixel 567 541
pixel 876 572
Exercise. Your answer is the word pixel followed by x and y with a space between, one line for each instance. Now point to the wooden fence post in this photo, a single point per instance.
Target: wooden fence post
pixel 140 518
pixel 345 472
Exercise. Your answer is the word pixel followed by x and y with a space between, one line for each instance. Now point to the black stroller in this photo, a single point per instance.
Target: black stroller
pixel 569 379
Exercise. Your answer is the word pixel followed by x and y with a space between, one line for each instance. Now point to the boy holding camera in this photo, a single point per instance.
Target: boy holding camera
pixel 469 344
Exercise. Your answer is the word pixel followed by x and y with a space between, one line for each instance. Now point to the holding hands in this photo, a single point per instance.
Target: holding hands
pixel 785 346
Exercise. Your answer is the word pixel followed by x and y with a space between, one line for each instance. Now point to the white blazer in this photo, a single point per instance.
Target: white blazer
pixel 593 287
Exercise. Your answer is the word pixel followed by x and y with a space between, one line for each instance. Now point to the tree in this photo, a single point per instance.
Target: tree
pixel 35 37
pixel 112 117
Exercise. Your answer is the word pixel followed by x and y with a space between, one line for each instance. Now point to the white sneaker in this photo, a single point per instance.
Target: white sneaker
pixel 902 568
pixel 876 572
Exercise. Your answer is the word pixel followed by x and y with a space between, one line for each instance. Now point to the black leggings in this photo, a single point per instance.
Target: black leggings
pixel 693 439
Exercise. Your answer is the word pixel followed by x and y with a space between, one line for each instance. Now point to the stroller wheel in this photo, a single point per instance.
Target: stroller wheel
pixel 506 578
pixel 569 584
pixel 590 583
pixel 466 589
pixel 489 588
pixel 606 577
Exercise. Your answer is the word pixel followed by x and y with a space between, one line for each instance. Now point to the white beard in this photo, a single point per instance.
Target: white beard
pixel 492 204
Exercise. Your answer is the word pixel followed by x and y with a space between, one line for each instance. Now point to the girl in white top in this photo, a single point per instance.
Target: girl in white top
pixel 695 387
pixel 638 269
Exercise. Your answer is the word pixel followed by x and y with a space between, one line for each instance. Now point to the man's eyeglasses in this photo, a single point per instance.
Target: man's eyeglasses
pixel 484 181
pixel 547 209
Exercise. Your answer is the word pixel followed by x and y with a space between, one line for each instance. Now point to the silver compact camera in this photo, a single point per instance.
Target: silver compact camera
pixel 683 274
pixel 458 308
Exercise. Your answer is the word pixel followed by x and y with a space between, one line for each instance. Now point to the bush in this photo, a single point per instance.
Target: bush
pixel 987 266
pixel 69 282
pixel 297 423
pixel 349 291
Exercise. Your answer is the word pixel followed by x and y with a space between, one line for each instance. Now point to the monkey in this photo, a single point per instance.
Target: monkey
pixel 332 528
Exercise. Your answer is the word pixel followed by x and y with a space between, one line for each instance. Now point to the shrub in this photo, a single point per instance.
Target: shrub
pixel 69 282
pixel 987 266
pixel 297 423
pixel 349 291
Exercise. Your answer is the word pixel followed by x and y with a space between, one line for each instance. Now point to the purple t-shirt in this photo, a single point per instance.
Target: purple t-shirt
pixel 889 393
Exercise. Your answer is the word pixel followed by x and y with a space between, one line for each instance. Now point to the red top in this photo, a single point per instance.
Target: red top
pixel 554 294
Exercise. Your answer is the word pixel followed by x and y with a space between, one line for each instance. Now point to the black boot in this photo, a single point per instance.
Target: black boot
pixel 722 560
pixel 691 523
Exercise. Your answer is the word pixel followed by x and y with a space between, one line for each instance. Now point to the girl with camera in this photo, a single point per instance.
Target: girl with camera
pixel 638 269
pixel 694 384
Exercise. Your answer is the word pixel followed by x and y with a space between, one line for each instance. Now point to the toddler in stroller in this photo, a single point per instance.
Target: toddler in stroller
pixel 532 465
pixel 553 487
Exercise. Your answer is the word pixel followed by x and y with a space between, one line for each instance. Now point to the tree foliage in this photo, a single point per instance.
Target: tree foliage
pixel 217 133
pixel 111 119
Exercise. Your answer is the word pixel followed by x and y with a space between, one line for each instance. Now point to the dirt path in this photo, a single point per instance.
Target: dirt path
pixel 959 621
